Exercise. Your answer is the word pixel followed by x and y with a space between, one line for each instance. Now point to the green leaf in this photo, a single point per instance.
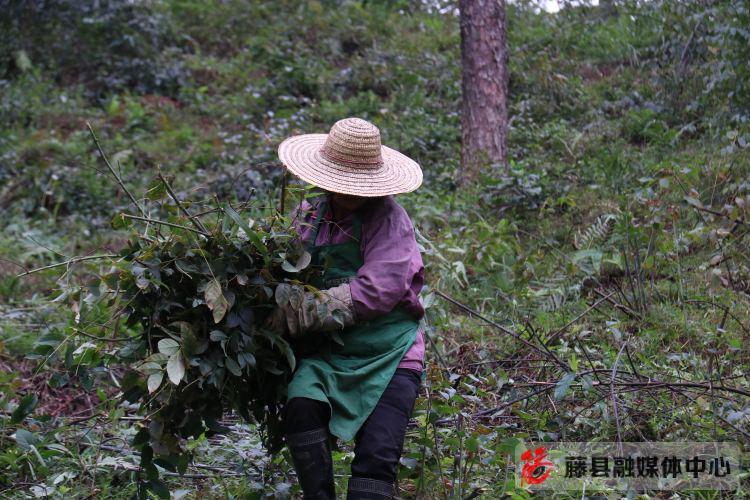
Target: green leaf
pixel 217 335
pixel 113 108
pixel 229 296
pixel 295 297
pixel 121 156
pixel 563 385
pixel 180 494
pixel 22 60
pixel 190 343
pixel 246 359
pixel 512 446
pixel 63 477
pixel 282 294
pixel 587 383
pixel 303 261
pixel 159 488
pixel 156 190
pixel 336 337
pixel 694 201
pixel 233 367
pixel 119 221
pixel 149 367
pixel 26 439
pixel 290 358
pixel 165 463
pixel 182 462
pixel 175 368
pixel 58 447
pixel 140 439
pixel 252 236
pixel 321 310
pixel 168 346
pixel 271 368
pixel 154 381
pixel 215 300
pixel 25 407
pixel 157 357
pixel 338 317
pixel 185 266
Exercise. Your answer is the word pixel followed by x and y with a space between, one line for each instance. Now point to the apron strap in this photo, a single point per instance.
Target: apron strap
pixel 357 227
pixel 323 209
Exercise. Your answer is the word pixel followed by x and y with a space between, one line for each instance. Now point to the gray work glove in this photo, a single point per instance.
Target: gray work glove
pixel 324 311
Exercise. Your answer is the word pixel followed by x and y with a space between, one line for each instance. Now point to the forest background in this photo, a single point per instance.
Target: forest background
pixel 596 290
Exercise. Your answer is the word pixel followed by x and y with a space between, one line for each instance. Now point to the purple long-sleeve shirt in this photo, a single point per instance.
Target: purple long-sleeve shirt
pixel 392 273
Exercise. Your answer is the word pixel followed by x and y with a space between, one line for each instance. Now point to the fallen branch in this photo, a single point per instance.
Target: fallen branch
pixel 619 306
pixel 515 400
pixel 492 323
pixel 614 395
pixel 720 214
pixel 544 386
pixel 723 308
pixel 68 262
pixel 223 471
pixel 656 384
pixel 557 332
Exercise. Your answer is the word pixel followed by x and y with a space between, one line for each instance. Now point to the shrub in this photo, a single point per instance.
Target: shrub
pixel 189 306
pixel 106 45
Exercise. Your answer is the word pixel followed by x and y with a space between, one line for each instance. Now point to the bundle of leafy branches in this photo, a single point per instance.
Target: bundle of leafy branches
pixel 190 298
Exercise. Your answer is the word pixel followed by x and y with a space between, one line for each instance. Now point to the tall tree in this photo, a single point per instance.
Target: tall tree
pixel 484 59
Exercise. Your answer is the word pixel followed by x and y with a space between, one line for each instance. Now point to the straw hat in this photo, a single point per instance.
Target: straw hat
pixel 351 160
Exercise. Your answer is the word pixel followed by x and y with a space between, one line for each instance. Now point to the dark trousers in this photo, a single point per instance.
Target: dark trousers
pixel 380 440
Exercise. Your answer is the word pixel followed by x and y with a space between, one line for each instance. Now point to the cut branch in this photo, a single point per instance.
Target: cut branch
pixel 68 262
pixel 165 223
pixel 114 173
pixel 197 223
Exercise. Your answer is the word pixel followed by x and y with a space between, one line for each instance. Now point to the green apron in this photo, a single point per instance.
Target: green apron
pixel 351 377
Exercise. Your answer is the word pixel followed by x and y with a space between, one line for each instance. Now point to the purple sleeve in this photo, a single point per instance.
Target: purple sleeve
pixel 414 357
pixel 392 272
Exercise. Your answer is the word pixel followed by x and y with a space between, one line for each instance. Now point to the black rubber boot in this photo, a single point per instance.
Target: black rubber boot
pixel 311 454
pixel 364 488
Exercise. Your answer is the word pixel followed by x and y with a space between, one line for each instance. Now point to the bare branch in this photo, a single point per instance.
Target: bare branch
pixel 68 262
pixel 165 223
pixel 112 170
pixel 197 223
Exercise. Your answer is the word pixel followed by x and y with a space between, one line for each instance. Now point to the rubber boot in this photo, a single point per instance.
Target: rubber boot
pixel 364 488
pixel 311 455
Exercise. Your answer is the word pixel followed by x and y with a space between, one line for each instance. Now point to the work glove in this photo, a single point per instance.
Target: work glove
pixel 324 311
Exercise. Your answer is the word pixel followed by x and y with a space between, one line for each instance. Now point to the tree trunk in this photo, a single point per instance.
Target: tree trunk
pixel 484 113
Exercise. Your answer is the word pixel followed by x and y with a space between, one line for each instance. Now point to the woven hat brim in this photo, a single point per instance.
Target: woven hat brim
pixel 398 174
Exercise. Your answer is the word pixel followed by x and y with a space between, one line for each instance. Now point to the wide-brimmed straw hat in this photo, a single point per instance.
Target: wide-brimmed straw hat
pixel 351 160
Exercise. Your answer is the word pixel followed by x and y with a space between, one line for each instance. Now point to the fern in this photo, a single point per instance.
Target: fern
pixel 597 233
pixel 553 293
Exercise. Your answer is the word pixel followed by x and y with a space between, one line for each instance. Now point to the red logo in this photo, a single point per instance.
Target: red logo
pixel 536 466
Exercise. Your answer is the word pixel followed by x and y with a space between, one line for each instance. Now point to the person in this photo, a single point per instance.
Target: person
pixel 363 380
